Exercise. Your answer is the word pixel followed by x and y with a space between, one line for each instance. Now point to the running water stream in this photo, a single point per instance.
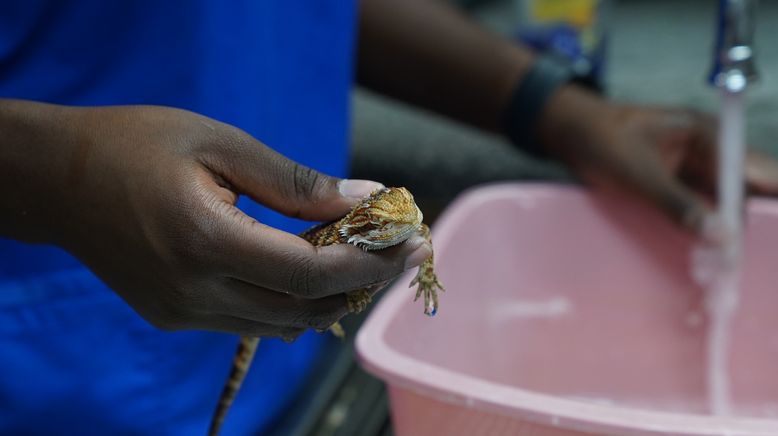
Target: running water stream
pixel 718 263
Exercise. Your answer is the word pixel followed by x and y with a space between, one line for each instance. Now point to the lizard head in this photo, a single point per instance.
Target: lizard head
pixel 387 217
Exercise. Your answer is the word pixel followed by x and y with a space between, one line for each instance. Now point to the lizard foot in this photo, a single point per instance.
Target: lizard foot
pixel 358 300
pixel 428 286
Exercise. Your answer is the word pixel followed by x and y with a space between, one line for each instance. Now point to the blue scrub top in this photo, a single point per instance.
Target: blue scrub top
pixel 74 358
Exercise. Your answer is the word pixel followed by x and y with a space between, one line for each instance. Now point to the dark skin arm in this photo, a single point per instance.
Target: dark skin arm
pixel 427 53
pixel 145 197
pixel 432 55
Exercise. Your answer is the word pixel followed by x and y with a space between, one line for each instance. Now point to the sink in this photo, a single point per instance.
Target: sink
pixel 570 313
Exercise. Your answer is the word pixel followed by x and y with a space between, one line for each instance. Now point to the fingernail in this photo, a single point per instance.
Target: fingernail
pixel 420 254
pixel 358 188
pixel 415 242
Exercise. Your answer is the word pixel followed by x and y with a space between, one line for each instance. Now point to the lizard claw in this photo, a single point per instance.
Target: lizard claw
pixel 338 331
pixel 428 286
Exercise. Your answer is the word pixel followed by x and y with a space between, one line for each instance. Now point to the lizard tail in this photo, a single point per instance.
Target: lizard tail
pixel 240 367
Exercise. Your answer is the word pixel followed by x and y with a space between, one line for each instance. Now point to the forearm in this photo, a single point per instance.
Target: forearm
pixel 33 169
pixel 432 55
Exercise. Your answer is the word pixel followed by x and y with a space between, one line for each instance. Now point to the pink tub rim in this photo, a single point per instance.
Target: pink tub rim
pixel 401 371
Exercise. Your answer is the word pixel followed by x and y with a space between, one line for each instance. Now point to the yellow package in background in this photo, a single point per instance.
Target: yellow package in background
pixel 578 13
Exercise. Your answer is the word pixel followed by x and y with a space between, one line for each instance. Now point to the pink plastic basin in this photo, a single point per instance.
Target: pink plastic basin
pixel 571 314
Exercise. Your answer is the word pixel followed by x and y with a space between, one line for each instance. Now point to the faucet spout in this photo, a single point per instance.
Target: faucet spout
pixel 733 62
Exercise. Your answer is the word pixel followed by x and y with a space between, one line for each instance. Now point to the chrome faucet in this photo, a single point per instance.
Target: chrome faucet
pixel 733 62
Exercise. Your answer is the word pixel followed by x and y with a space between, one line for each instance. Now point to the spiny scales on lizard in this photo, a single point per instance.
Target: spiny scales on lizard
pixel 388 217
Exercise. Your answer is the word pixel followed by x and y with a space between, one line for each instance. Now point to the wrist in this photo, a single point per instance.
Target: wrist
pixel 571 119
pixel 35 154
pixel 535 102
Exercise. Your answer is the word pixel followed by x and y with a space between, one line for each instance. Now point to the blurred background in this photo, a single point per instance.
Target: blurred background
pixel 656 51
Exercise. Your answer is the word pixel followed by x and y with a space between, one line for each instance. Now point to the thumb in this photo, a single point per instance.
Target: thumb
pixel 286 186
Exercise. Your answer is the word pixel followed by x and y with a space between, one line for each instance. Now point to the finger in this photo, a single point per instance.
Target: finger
pixel 244 249
pixel 646 174
pixel 228 242
pixel 761 173
pixel 284 185
pixel 680 203
pixel 761 170
pixel 247 301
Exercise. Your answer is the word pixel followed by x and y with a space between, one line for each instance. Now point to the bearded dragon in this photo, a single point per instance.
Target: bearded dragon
pixel 388 217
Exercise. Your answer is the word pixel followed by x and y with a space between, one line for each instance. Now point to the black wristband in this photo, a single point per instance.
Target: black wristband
pixel 544 77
